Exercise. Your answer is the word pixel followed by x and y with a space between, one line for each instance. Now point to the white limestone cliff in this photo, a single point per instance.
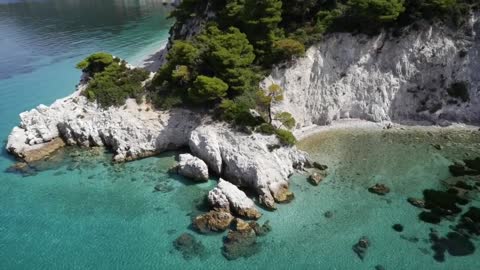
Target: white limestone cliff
pixel 385 78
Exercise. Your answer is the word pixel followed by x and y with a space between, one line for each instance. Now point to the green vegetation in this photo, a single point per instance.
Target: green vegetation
pixel 286 137
pixel 286 119
pixel 95 63
pixel 111 81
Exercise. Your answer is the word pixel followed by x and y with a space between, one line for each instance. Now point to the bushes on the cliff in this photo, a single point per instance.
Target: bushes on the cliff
pixel 112 82
pixel 207 89
pixel 96 62
pixel 286 137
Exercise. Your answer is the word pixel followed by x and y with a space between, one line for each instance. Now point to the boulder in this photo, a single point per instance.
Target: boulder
pixel 317 177
pixel 227 196
pixel 416 202
pixel 398 227
pixel 240 242
pixel 213 221
pixel 379 189
pixel 319 166
pixel 189 246
pixel 361 247
pixel 193 168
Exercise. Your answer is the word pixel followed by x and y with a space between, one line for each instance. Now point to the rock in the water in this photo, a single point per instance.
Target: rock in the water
pixel 455 244
pixel 192 167
pixel 379 267
pixel 213 221
pixel 319 166
pixel 361 247
pixel 228 196
pixel 470 221
pixel 379 189
pixel 328 214
pixel 241 242
pixel 189 246
pixel 261 230
pixel 466 167
pixel 317 177
pixel 416 202
pixel 398 227
pixel 430 217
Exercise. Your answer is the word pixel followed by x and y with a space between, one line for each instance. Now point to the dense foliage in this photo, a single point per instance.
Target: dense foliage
pixel 222 66
pixel 111 82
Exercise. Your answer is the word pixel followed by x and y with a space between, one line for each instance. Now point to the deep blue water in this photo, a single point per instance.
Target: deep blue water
pixel 80 211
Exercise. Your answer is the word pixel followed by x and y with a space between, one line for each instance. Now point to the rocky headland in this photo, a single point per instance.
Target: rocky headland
pixel 429 74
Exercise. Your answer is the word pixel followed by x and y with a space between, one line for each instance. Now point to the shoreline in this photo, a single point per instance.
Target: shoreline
pixel 358 124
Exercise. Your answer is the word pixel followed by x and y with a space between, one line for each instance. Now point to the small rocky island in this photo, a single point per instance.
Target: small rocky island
pixel 239 126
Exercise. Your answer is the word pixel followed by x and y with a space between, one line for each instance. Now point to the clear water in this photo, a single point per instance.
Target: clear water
pixel 82 212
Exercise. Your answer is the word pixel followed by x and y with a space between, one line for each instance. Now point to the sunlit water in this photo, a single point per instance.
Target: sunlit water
pixel 80 211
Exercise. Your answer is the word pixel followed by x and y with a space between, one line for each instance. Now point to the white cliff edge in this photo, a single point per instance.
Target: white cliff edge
pixel 385 78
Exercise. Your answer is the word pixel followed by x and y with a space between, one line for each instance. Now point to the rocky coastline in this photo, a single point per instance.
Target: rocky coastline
pixel 345 77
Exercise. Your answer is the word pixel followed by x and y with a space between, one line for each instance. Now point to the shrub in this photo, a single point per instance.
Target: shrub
pixel 286 137
pixel 288 48
pixel 112 82
pixel 207 89
pixel 459 90
pixel 286 119
pixel 96 62
pixel 266 128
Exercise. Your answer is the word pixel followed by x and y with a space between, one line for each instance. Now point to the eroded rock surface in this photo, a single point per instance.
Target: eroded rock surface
pixel 227 196
pixel 192 167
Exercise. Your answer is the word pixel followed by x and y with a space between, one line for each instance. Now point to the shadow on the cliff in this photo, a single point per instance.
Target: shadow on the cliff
pixel 176 131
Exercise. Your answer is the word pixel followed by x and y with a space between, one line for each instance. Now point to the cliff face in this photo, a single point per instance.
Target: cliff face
pixel 385 78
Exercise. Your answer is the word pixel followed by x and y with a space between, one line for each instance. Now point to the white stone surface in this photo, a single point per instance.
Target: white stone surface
pixel 383 78
pixel 192 167
pixel 227 195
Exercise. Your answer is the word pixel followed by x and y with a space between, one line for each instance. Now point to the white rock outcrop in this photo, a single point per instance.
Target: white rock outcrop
pixel 226 196
pixel 132 131
pixel 385 78
pixel 192 167
pixel 136 130
pixel 247 160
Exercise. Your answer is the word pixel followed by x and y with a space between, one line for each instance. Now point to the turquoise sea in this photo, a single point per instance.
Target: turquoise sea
pixel 80 211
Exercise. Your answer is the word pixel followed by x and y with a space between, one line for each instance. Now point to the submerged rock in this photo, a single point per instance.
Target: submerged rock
pixel 455 244
pixel 361 247
pixel 213 221
pixel 430 217
pixel 241 242
pixel 189 246
pixel 466 167
pixel 398 227
pixel 470 221
pixel 379 189
pixel 416 202
pixel 227 196
pixel 193 168
pixel 319 166
pixel 317 177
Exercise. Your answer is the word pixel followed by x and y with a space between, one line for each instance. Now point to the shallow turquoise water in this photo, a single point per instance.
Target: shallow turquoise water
pixel 82 212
